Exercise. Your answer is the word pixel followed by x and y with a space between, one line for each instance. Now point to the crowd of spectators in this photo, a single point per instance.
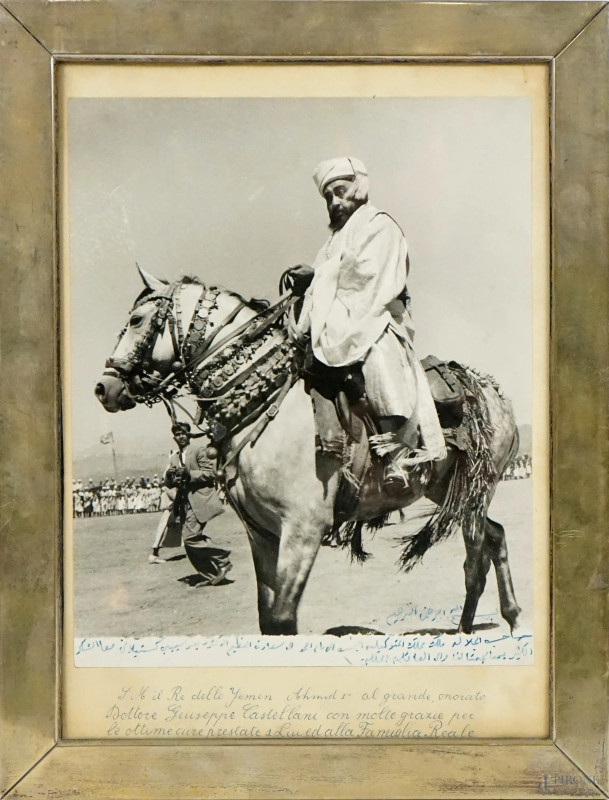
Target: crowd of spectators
pixel 146 495
pixel 521 467
pixel 110 497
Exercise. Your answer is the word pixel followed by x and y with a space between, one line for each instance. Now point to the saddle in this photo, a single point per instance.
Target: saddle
pixel 342 435
pixel 447 390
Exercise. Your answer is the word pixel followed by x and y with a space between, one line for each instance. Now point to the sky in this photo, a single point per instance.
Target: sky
pixel 222 188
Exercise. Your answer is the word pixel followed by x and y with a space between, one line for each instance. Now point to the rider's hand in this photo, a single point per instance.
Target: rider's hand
pixel 298 278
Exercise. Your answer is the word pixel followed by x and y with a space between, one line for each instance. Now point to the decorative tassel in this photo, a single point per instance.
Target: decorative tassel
pixel 349 476
pixel 468 495
pixel 469 489
pixel 383 444
pixel 357 548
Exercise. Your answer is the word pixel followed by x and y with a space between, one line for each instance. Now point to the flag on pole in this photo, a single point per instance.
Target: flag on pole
pixel 106 438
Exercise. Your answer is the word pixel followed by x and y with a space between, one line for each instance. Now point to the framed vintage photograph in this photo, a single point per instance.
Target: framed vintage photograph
pixel 338 272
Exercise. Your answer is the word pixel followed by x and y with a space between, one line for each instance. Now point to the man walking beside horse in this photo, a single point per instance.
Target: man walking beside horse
pixel 191 473
pixel 357 313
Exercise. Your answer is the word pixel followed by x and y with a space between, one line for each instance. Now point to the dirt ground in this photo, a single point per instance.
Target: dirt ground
pixel 119 593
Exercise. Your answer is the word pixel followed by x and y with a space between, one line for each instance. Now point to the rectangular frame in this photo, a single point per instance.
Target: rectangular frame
pixel 572 37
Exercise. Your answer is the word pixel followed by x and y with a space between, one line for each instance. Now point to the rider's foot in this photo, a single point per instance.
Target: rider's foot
pixel 395 479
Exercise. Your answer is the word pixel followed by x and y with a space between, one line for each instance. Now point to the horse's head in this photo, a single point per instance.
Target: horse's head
pixel 145 350
pixel 172 332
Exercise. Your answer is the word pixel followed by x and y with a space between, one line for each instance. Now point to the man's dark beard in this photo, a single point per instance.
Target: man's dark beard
pixel 339 216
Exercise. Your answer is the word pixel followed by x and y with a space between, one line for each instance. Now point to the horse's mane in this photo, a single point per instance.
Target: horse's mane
pixel 255 303
pixel 144 295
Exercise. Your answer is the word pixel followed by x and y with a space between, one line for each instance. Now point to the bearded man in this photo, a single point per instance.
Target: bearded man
pixel 357 312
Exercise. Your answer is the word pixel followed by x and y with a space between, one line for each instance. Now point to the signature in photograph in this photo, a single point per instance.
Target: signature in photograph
pixel 410 612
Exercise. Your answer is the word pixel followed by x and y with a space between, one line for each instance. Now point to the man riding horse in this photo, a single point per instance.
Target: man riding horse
pixel 356 311
pixel 235 358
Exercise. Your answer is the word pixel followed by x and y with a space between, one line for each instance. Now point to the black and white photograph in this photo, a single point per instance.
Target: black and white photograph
pixel 301 380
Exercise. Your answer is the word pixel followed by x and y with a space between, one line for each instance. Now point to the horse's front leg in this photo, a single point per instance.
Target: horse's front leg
pixel 265 550
pixel 300 542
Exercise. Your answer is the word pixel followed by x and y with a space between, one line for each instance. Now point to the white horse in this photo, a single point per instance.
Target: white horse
pixel 281 488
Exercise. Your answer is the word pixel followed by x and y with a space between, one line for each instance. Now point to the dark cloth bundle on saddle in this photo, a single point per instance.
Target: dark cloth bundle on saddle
pixel 330 381
pixel 333 391
pixel 446 389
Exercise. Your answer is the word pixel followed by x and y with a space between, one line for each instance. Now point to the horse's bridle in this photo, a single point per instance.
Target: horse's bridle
pixel 189 349
pixel 132 369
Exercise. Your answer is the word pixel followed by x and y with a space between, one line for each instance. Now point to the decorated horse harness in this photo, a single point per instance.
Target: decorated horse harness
pixel 237 379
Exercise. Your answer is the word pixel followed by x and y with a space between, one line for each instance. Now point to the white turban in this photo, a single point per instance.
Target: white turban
pixel 343 167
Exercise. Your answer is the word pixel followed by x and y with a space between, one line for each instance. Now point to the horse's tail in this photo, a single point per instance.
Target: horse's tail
pixel 474 476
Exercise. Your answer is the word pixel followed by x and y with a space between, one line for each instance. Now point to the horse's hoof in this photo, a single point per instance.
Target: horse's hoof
pixel 513 620
pixel 514 627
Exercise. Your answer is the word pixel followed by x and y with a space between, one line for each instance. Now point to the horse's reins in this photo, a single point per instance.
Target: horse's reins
pixel 277 309
pixel 194 362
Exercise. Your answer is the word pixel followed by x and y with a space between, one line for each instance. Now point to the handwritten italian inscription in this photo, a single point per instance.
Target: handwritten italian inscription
pixel 222 711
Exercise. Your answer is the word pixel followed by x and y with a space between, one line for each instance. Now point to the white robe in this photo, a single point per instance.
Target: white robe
pixel 353 314
pixel 359 273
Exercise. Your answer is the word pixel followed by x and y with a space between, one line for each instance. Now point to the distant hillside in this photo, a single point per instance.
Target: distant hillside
pixel 98 465
pixel 96 462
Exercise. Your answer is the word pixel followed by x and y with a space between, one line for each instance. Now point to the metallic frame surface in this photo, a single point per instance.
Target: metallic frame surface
pixel 572 37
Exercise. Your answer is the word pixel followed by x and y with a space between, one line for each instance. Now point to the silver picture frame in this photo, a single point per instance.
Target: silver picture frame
pixel 571 37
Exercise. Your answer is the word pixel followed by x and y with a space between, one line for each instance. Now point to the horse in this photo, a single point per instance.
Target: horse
pixel 282 489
